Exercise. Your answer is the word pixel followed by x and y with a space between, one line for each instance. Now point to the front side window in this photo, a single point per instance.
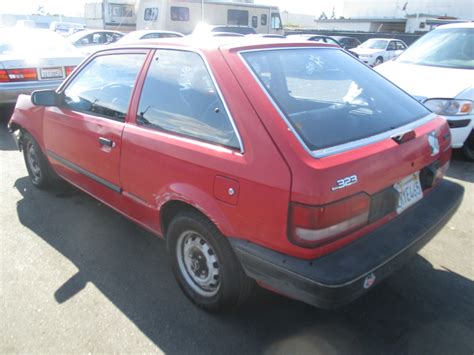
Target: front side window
pixel 276 21
pixel 179 96
pixel 238 17
pixel 151 14
pixel 263 20
pixel 329 98
pixel 447 47
pixel 179 13
pixel 392 46
pixel 103 88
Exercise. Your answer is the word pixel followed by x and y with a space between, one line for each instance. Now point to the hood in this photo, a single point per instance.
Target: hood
pixel 366 51
pixel 427 81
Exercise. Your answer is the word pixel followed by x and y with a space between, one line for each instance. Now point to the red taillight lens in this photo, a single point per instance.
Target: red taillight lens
pixel 4 76
pixel 69 70
pixel 18 75
pixel 313 226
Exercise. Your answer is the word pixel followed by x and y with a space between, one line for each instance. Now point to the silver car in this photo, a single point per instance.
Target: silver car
pixel 32 59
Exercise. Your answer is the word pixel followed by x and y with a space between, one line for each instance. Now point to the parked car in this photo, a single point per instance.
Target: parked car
pixel 321 39
pixel 147 34
pixel 88 41
pixel 205 29
pixel 32 59
pixel 236 157
pixel 375 51
pixel 347 42
pixel 438 71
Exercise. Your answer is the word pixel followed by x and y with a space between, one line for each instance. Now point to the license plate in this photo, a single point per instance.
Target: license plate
pixel 51 73
pixel 409 190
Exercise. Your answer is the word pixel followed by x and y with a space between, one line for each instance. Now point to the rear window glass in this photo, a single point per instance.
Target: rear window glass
pixel 330 98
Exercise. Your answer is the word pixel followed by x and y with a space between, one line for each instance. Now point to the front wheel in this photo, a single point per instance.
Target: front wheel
pixel 378 61
pixel 205 265
pixel 41 174
pixel 468 148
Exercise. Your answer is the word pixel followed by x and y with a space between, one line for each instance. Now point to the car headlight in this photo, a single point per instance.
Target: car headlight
pixel 449 107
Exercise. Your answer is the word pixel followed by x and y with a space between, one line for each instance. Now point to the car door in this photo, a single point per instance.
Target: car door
pixel 391 50
pixel 400 48
pixel 82 135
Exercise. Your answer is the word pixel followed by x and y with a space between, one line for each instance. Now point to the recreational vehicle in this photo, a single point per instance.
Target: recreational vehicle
pixel 183 15
pixel 111 14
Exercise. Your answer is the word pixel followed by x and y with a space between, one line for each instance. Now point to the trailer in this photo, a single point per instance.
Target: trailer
pixel 111 15
pixel 183 15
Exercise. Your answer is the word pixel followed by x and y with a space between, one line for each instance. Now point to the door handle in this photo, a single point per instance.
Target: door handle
pixel 106 142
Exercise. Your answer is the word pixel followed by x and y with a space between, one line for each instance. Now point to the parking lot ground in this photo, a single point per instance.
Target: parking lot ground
pixel 75 276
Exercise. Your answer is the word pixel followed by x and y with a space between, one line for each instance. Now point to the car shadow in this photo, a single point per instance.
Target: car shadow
pixel 420 310
pixel 460 168
pixel 7 142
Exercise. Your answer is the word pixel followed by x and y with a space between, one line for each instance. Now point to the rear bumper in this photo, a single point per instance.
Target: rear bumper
pixel 9 91
pixel 338 278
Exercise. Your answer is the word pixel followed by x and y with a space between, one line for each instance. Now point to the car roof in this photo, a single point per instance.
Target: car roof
pixel 458 25
pixel 230 43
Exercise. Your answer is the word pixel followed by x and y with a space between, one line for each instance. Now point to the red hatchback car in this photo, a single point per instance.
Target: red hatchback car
pixel 289 165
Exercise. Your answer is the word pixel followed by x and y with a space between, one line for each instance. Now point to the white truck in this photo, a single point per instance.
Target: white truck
pixel 183 15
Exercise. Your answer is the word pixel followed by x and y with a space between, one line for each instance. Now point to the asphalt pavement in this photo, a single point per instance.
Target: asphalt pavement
pixel 75 276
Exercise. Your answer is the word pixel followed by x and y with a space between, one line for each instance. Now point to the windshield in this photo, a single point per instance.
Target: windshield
pixel 374 44
pixel 330 98
pixel 450 48
pixel 34 41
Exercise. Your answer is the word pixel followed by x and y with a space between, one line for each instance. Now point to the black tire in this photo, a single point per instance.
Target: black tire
pixel 41 174
pixel 378 61
pixel 468 148
pixel 225 292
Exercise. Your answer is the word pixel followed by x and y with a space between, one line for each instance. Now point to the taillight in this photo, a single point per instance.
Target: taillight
pixel 313 226
pixel 69 70
pixel 8 75
pixel 4 76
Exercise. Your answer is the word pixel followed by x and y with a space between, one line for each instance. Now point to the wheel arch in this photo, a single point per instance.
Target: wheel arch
pixel 206 207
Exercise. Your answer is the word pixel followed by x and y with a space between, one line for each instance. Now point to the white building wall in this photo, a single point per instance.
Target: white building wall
pixel 297 20
pixel 462 9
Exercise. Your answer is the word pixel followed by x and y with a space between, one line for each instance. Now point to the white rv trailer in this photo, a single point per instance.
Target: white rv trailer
pixel 183 15
pixel 111 14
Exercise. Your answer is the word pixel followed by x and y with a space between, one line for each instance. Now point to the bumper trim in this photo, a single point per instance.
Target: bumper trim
pixel 338 278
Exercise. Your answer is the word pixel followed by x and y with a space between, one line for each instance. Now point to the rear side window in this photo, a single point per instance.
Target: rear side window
pixel 238 17
pixel 179 96
pixel 330 98
pixel 254 21
pixel 151 14
pixel 263 20
pixel 103 88
pixel 179 13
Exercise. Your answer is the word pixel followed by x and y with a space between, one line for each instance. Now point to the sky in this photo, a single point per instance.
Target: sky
pixel 75 7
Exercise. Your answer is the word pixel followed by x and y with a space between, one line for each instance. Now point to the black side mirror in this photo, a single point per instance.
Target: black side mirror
pixel 45 98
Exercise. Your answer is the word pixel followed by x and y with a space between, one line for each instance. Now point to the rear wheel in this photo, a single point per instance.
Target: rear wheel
pixel 468 148
pixel 41 174
pixel 205 265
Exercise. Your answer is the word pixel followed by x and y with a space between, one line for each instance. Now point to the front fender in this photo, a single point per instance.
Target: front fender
pixel 29 117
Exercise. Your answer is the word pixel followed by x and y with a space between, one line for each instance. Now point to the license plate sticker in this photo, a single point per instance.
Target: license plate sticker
pixel 409 191
pixel 51 73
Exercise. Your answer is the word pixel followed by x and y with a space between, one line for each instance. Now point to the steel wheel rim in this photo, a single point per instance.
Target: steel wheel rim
pixel 198 263
pixel 33 162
